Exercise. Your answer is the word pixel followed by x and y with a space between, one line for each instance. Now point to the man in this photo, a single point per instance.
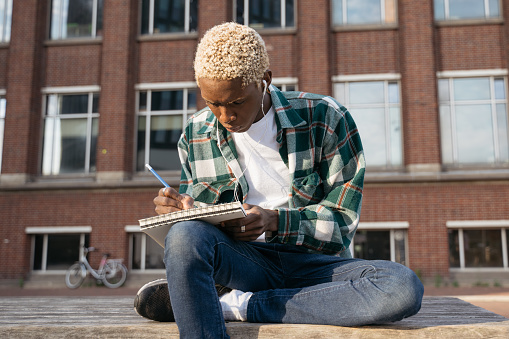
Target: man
pixel 296 162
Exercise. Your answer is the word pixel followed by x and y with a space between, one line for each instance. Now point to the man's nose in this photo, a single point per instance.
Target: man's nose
pixel 227 115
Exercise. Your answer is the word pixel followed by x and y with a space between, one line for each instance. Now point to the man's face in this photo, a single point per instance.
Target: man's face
pixel 235 107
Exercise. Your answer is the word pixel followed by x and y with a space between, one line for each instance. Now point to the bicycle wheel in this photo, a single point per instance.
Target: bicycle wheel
pixel 115 274
pixel 75 275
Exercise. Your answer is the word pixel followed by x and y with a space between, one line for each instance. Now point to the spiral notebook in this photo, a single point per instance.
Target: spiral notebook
pixel 157 227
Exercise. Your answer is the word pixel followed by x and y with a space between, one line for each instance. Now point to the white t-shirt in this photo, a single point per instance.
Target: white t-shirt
pixel 265 171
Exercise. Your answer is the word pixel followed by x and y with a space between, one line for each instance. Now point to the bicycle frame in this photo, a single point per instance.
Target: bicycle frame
pixel 97 274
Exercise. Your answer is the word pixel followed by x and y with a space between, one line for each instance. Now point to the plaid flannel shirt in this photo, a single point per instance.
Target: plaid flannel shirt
pixel 320 144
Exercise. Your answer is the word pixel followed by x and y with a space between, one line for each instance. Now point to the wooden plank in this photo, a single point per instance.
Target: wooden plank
pixel 59 317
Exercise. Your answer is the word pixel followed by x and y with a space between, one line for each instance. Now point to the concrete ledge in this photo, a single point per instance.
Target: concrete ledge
pixel 113 317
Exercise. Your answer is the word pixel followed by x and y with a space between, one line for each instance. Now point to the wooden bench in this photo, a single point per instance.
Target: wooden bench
pixel 114 317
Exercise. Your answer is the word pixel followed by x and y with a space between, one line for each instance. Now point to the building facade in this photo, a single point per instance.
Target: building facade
pixel 91 90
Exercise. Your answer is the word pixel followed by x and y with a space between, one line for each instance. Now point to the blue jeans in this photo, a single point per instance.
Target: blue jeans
pixel 289 285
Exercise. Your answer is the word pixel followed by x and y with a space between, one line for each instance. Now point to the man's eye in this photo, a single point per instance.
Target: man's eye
pixel 238 102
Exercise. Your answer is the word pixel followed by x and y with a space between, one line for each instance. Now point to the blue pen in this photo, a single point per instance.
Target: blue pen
pixel 196 203
pixel 156 175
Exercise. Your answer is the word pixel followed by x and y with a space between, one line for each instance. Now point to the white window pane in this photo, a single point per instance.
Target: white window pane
pixel 472 89
pixel 395 141
pixel 371 124
pixel 503 138
pixel 439 10
pixel 443 90
pixel 499 89
pixel 446 134
pixel 390 11
pixel 494 8
pixel 393 89
pixel 337 12
pixel 50 147
pixel 363 11
pixel 400 246
pixel 5 20
pixel 3 105
pixel 367 92
pixel 466 9
pixel 474 130
pixel 339 93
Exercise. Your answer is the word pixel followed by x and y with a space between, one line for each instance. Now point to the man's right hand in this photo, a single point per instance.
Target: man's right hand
pixel 170 200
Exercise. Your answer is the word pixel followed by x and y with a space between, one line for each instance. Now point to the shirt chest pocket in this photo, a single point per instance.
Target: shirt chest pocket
pixel 307 190
pixel 214 192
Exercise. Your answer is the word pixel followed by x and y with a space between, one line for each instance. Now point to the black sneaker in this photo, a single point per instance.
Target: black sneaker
pixel 153 300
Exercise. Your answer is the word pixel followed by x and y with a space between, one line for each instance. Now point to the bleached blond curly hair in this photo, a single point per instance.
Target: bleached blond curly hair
pixel 230 51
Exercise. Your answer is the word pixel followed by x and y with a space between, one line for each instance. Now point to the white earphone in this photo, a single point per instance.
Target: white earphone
pixel 265 84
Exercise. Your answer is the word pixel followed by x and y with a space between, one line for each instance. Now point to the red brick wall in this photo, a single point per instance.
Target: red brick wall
pixel 466 47
pixel 427 207
pixel 418 71
pixel 106 211
pixel 72 65
pixel 313 53
pixel 365 52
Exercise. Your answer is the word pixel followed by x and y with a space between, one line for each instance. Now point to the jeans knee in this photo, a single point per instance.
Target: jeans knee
pixel 408 292
pixel 187 239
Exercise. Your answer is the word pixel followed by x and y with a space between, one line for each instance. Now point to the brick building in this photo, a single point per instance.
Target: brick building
pixel 91 90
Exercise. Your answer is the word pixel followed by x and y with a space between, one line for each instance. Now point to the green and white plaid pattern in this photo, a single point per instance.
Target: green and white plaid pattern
pixel 320 144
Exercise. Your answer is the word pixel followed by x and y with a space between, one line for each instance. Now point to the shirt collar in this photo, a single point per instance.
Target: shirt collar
pixel 286 116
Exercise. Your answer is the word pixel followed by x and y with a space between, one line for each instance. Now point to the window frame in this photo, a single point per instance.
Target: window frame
pixel 461 225
pixel 93 23
pixel 135 229
pixel 386 78
pixel 392 227
pixel 383 17
pixel 187 13
pixel 61 91
pixel 491 75
pixel 83 231
pixel 283 26
pixel 184 112
pixel 6 22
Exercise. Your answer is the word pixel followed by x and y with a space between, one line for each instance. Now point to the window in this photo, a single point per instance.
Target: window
pixel 265 13
pixel 76 19
pixel 363 12
pixel 57 248
pixel 285 84
pixel 473 120
pixel 3 106
pixel 169 16
pixel 5 20
pixel 466 9
pixel 70 133
pixel 381 240
pixel 478 244
pixel 145 253
pixel 375 107
pixel 162 115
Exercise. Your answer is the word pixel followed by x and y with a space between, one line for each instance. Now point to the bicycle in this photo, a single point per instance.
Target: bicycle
pixel 111 272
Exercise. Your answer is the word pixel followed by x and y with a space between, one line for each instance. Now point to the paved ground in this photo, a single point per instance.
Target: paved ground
pixel 494 299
